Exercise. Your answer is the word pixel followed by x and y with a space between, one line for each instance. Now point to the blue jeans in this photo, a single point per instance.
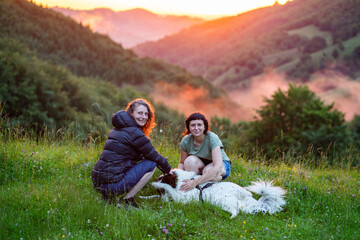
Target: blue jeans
pixel 130 179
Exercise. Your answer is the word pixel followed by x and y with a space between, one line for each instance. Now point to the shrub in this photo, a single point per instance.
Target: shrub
pixel 297 119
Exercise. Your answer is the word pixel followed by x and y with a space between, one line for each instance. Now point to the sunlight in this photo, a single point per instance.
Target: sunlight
pixel 177 7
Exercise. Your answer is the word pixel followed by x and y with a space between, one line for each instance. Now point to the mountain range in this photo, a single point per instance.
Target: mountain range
pixel 130 27
pixel 84 68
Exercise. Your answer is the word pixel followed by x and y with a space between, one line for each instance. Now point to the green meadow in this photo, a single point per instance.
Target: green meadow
pixel 46 193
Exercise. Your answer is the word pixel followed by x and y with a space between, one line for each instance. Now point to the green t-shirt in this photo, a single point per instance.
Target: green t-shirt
pixel 210 142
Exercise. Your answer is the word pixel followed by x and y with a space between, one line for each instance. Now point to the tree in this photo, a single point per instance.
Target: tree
pixel 315 44
pixel 297 119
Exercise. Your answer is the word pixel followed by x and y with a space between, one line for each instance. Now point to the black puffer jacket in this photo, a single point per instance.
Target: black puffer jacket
pixel 126 145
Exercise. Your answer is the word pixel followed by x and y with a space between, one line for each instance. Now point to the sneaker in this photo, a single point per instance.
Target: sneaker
pixel 128 202
pixel 109 198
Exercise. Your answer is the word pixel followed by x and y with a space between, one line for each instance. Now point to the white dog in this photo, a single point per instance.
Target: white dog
pixel 229 196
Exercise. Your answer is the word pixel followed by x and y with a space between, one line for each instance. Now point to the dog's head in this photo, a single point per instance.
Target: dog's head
pixel 171 178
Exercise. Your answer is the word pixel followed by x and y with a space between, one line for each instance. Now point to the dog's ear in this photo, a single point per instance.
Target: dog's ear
pixel 158 179
pixel 170 178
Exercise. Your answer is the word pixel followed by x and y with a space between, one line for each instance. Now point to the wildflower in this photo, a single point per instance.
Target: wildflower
pixel 160 206
pixel 183 225
pixel 244 222
pixel 295 225
pixel 165 231
pixel 353 195
pixel 107 225
pixel 63 236
pixel 169 225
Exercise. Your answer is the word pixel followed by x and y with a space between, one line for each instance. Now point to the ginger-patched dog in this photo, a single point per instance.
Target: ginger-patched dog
pixel 227 195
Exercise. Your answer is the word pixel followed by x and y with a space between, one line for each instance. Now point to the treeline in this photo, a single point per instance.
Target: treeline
pixel 230 50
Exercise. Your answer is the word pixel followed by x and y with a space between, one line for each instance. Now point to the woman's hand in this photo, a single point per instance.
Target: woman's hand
pixel 188 185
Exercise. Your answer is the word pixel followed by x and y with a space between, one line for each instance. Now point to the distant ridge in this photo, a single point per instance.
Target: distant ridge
pixel 130 27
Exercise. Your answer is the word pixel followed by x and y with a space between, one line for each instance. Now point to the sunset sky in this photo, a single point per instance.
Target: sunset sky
pixel 200 8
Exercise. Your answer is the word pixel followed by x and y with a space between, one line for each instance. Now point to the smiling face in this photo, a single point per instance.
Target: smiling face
pixel 197 127
pixel 140 114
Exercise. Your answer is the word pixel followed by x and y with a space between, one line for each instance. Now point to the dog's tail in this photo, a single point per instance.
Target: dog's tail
pixel 271 200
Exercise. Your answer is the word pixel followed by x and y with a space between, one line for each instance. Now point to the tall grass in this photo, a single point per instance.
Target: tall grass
pixel 46 193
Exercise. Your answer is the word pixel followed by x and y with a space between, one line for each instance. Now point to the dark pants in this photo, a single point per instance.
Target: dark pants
pixel 130 179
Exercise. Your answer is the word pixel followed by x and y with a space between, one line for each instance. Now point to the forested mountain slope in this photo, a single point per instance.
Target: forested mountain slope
pixel 60 42
pixel 298 39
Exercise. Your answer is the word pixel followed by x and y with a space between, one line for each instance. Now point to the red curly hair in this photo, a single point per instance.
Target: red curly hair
pixel 150 123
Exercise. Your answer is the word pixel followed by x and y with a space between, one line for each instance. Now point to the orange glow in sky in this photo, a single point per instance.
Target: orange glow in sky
pixel 200 8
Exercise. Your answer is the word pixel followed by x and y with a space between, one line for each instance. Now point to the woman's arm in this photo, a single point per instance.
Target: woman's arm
pixel 145 147
pixel 183 156
pixel 211 174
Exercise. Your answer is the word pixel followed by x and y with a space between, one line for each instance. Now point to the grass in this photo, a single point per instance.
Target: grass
pixel 46 193
pixel 312 31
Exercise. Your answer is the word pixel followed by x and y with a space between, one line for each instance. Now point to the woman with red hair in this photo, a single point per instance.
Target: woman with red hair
pixel 128 160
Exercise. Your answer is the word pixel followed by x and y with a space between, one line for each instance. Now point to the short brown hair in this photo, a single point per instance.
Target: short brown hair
pixel 196 116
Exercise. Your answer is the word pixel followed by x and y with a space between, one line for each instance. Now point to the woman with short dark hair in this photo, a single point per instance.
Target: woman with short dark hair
pixel 202 151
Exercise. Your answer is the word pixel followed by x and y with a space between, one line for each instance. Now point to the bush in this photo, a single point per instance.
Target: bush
pixel 296 120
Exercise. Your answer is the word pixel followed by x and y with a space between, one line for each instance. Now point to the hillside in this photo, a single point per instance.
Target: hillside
pixel 60 41
pixel 130 27
pixel 229 51
pixel 253 54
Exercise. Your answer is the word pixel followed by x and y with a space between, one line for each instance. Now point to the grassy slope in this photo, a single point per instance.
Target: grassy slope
pixel 46 192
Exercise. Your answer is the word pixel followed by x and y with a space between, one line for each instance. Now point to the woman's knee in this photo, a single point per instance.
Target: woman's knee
pixel 218 177
pixel 193 163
